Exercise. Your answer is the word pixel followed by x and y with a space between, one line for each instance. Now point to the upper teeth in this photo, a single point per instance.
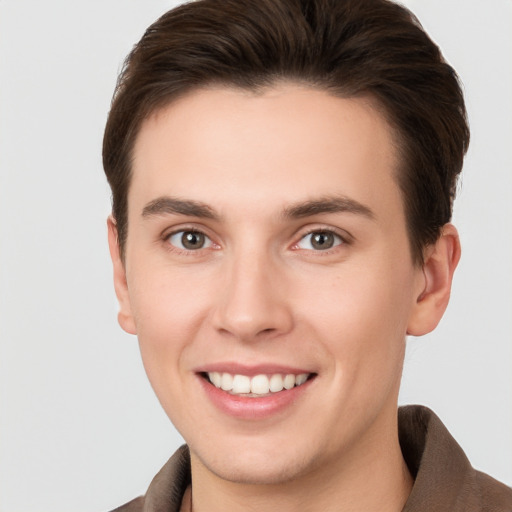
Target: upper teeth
pixel 257 385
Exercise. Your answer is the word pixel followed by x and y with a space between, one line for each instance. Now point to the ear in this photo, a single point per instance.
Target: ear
pixel 125 317
pixel 440 262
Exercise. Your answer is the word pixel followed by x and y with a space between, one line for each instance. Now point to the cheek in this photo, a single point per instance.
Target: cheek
pixel 361 314
pixel 165 297
pixel 169 312
pixel 168 309
pixel 356 300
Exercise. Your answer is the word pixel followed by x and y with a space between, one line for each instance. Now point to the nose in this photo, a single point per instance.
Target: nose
pixel 253 302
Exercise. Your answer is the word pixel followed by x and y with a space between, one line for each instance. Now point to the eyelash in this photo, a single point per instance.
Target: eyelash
pixel 344 238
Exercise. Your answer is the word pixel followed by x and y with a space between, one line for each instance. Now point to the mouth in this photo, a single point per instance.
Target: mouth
pixel 256 386
pixel 255 392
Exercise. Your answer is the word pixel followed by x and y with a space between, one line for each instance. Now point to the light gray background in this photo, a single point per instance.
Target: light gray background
pixel 80 428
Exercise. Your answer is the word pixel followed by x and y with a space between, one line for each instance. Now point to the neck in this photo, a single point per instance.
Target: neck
pixel 372 477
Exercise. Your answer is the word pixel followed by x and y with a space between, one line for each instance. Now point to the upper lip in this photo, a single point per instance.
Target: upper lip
pixel 236 368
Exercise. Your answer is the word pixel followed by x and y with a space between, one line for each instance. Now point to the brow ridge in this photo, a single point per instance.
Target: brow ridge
pixel 328 204
pixel 323 205
pixel 173 205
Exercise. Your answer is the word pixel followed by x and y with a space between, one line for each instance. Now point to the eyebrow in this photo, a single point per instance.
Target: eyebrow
pixel 330 204
pixel 172 205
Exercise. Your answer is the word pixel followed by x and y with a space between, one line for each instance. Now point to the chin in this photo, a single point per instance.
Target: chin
pixel 268 473
pixel 257 466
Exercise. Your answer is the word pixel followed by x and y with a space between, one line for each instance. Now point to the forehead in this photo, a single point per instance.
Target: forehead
pixel 279 146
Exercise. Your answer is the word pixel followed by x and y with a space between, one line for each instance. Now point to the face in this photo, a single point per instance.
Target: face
pixel 269 278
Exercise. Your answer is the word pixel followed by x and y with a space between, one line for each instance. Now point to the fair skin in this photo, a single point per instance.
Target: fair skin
pixel 267 238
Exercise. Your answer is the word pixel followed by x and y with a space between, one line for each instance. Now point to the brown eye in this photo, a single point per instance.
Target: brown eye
pixel 320 241
pixel 189 240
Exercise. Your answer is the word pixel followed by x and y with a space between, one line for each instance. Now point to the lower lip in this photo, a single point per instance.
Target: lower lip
pixel 253 408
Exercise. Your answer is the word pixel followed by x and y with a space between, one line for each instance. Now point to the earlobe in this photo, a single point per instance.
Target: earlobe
pixel 441 260
pixel 125 316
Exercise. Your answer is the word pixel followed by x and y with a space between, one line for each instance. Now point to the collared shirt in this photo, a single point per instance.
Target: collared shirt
pixel 444 480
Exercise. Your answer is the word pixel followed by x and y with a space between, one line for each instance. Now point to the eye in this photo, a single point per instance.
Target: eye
pixel 189 240
pixel 320 241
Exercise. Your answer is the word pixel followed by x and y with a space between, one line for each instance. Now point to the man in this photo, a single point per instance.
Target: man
pixel 283 175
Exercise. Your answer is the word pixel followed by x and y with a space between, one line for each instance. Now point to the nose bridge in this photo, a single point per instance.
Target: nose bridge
pixel 252 301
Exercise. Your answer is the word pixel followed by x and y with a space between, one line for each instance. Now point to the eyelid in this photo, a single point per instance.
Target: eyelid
pixel 177 228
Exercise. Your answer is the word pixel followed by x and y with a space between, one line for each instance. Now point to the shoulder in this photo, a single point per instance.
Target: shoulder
pixel 167 488
pixel 136 505
pixel 495 496
pixel 444 479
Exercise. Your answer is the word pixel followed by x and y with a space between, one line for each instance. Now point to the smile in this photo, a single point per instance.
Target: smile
pixel 258 385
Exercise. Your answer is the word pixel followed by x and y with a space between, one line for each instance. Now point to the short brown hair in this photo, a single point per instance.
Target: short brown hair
pixel 348 48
